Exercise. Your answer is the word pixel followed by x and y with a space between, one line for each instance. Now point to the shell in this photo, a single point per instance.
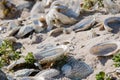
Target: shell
pixel 15 63
pixel 59 15
pixel 111 6
pixel 38 26
pixel 109 20
pixel 105 48
pixel 84 24
pixel 48 73
pixel 24 30
pixel 13 31
pixel 3 75
pixel 50 54
pixel 37 8
pixel 76 70
pixel 24 72
pixel 56 32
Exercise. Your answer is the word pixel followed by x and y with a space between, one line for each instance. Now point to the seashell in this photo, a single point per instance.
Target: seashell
pixel 84 24
pixel 37 8
pixel 24 30
pixel 48 73
pixel 105 49
pixel 13 31
pixel 56 32
pixel 112 6
pixel 57 16
pixel 15 63
pixel 50 54
pixel 24 72
pixel 109 23
pixel 76 70
pixel 3 75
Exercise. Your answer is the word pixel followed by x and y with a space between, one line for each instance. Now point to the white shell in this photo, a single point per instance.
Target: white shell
pixel 23 72
pixel 108 20
pixel 48 73
pixel 51 54
pixel 105 48
pixel 84 24
pixel 24 30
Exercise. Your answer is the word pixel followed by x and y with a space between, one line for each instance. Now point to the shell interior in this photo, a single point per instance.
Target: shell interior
pixel 103 49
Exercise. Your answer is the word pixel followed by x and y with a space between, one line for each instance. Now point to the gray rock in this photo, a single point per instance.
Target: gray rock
pixel 24 30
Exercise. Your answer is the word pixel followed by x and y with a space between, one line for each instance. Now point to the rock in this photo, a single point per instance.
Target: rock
pixel 24 30
pixel 3 76
pixel 48 73
pixel 76 70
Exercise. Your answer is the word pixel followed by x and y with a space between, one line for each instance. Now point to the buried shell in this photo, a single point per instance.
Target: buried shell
pixel 24 72
pixel 114 21
pixel 84 24
pixel 51 54
pixel 48 73
pixel 105 48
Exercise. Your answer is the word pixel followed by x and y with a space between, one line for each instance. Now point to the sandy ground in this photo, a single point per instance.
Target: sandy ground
pixel 80 43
